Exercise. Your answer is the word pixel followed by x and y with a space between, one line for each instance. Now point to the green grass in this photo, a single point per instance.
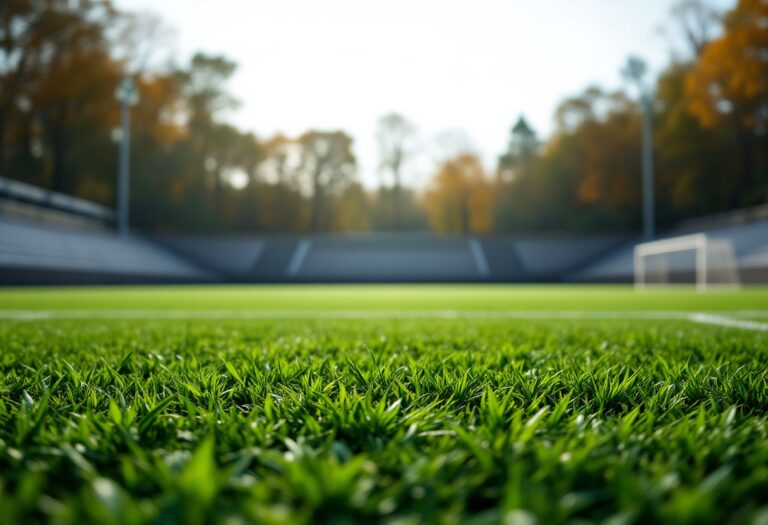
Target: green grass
pixel 390 297
pixel 381 420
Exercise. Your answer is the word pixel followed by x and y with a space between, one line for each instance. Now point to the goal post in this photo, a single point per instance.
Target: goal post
pixel 688 259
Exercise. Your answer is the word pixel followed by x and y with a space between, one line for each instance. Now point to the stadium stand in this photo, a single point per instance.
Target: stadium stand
pixel 33 252
pixel 386 258
pixel 18 199
pixel 236 258
pixel 51 238
pixel 230 257
pixel 401 257
pixel 549 259
pixel 47 237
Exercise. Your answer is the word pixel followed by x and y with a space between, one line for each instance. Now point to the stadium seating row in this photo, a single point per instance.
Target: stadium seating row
pixel 38 252
pixel 33 251
pixel 390 257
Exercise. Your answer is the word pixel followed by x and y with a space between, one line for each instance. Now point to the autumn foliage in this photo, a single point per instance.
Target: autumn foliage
pixel 460 198
pixel 61 60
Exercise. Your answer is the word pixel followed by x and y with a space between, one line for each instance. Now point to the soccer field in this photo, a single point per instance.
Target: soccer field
pixel 383 404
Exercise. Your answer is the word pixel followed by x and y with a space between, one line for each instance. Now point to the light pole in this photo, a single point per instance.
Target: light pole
pixel 127 96
pixel 634 72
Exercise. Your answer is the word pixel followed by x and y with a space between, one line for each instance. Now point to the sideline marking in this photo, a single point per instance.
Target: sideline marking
pixel 338 314
pixel 737 319
pixel 729 322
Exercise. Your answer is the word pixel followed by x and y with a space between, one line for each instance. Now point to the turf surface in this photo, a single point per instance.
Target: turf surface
pixel 203 418
pixel 389 297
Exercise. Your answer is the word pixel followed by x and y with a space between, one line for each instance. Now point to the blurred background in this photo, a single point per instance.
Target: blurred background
pixel 340 140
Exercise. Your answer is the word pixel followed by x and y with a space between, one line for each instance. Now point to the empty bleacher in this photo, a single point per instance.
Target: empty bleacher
pixel 32 251
pixel 232 257
pixel 387 258
pixel 51 238
pixel 39 252
pixel 402 257
pixel 550 258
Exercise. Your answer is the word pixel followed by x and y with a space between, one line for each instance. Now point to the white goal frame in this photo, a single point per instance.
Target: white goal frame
pixel 701 244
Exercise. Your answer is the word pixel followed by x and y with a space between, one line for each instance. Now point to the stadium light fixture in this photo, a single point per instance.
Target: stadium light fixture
pixel 128 96
pixel 634 72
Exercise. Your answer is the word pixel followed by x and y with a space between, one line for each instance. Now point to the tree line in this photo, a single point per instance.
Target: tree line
pixel 192 171
pixel 710 120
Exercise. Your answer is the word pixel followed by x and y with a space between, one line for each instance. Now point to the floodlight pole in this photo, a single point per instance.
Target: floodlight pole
pixel 127 95
pixel 634 72
pixel 647 166
pixel 124 167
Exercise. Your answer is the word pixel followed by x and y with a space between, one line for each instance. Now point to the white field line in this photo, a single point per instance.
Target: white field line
pixel 338 314
pixel 736 319
pixel 729 322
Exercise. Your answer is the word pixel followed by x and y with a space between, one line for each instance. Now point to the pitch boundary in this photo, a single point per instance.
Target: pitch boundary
pixel 729 322
pixel 743 319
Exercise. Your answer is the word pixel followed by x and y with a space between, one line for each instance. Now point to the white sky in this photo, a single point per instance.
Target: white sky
pixel 471 65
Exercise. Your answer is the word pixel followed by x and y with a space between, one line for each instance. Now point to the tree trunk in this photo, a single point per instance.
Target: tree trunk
pixel 253 215
pixel 10 89
pixel 465 213
pixel 217 191
pixel 316 215
pixel 398 196
pixel 746 144
pixel 315 212
pixel 3 147
pixel 58 148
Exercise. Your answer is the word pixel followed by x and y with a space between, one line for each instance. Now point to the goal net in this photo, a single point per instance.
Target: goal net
pixel 689 259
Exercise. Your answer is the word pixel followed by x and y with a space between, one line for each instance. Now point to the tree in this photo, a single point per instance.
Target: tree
pixel 328 166
pixel 395 136
pixel 460 198
pixel 521 150
pixel 223 157
pixel 281 160
pixel 697 23
pixel 352 209
pixel 249 156
pixel 587 178
pixel 412 213
pixel 517 162
pixel 695 163
pixel 137 37
pixel 74 104
pixel 729 83
pixel 161 187
pixel 213 144
pixel 56 90
pixel 205 88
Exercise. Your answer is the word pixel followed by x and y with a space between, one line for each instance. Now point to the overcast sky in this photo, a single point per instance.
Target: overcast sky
pixel 471 65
